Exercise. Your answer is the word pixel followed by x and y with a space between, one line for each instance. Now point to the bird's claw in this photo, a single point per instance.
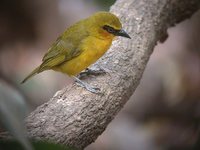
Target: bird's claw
pixel 93 89
pixel 87 86
pixel 93 71
pixel 96 71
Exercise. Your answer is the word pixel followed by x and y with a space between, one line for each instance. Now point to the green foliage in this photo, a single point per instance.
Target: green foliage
pixel 105 3
pixel 12 113
pixel 14 145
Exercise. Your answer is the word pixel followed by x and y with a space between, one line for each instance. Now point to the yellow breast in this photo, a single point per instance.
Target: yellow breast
pixel 92 49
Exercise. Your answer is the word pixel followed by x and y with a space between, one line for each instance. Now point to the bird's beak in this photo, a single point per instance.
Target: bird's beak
pixel 123 33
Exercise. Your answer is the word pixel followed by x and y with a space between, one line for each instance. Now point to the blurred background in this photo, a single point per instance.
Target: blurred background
pixel 163 113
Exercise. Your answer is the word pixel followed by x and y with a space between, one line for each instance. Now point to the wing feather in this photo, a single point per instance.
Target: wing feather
pixel 65 48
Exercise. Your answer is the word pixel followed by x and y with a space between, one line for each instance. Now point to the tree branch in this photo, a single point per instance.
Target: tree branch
pixel 77 117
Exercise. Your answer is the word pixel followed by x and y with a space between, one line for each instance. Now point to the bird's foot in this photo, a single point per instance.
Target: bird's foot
pixel 94 71
pixel 87 86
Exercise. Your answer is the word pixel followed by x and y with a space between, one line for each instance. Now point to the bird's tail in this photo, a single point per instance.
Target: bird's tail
pixel 34 72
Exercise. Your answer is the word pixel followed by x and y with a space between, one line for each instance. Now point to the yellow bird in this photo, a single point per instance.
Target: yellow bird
pixel 81 45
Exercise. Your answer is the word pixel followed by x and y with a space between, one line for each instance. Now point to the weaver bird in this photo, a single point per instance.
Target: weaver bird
pixel 81 45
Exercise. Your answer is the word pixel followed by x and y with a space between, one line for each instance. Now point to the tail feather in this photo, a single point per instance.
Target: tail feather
pixel 33 73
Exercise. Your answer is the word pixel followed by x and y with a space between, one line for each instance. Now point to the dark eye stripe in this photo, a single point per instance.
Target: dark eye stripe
pixel 110 29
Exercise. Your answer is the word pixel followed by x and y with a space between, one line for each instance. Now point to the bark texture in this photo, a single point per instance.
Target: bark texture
pixel 77 117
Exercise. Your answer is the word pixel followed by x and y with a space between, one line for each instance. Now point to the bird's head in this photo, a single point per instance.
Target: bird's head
pixel 106 25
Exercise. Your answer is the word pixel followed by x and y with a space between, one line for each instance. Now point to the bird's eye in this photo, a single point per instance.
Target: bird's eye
pixel 109 29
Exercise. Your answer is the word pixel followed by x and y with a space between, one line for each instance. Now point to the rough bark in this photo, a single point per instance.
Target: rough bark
pixel 77 117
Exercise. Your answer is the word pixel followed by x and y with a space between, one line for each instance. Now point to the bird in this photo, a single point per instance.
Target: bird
pixel 81 45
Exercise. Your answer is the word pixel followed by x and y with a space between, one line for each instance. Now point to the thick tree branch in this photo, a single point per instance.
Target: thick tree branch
pixel 77 117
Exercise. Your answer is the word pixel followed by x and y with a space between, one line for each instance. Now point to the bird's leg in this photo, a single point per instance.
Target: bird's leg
pixel 94 71
pixel 86 86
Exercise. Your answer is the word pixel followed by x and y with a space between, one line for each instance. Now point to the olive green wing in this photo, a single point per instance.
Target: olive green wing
pixel 56 55
pixel 65 48
pixel 59 54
